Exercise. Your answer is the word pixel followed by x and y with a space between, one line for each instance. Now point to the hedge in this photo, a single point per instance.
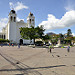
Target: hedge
pixel 3 40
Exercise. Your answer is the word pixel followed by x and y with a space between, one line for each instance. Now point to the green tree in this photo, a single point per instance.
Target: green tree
pixel 31 33
pixel 61 36
pixel 69 33
pixel 46 37
pixel 39 31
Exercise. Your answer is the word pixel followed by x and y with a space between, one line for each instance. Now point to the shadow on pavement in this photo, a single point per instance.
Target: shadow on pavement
pixel 32 68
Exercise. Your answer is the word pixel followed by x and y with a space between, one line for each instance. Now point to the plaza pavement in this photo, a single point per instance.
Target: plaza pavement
pixel 36 61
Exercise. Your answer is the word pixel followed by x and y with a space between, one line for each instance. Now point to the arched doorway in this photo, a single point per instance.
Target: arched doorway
pixel 21 41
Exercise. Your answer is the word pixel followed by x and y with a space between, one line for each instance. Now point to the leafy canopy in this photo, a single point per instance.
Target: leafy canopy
pixel 31 33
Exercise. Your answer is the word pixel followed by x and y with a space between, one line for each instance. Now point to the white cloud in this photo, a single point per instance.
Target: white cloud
pixel 70 5
pixel 3 23
pixel 53 23
pixel 18 6
pixel 73 34
pixel 11 5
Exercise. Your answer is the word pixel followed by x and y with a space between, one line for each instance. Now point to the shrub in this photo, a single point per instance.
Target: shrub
pixel 3 40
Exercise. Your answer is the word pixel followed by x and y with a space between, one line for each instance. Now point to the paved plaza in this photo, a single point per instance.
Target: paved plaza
pixel 36 61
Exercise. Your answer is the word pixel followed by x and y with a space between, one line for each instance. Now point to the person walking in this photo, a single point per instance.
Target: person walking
pixel 68 48
pixel 50 47
pixel 9 44
pixel 12 45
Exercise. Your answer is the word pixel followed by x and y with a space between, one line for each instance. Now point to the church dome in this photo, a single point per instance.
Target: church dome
pixel 12 11
pixel 30 14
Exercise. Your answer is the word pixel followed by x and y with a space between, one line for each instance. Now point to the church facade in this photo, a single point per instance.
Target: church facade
pixel 12 31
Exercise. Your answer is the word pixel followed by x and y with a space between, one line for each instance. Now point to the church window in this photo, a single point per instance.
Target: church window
pixel 2 36
pixel 14 19
pixel 11 18
pixel 30 20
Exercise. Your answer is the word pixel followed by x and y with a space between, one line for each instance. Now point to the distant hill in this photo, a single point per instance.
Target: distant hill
pixel 50 33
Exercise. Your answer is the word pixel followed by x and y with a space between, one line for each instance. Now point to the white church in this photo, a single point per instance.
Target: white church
pixel 12 31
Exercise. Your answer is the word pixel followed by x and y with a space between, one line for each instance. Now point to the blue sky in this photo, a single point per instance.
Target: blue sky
pixel 55 15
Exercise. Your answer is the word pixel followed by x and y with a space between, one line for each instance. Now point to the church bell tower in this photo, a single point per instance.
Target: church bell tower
pixel 31 20
pixel 12 16
pixel 12 26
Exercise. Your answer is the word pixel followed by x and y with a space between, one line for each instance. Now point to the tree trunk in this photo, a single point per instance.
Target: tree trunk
pixel 34 40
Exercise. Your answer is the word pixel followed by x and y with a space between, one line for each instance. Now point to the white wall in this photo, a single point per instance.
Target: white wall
pixel 19 25
pixel 27 41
